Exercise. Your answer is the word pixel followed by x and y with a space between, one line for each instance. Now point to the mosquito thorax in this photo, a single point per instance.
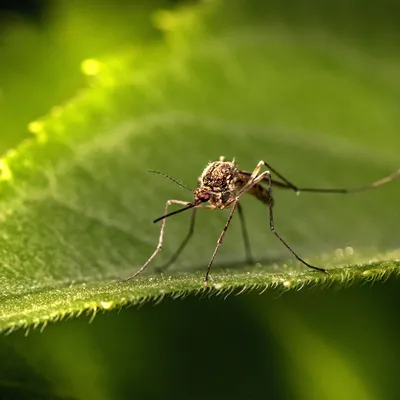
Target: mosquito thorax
pixel 219 180
pixel 219 176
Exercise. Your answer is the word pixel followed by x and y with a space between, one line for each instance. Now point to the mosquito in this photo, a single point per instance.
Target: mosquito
pixel 222 185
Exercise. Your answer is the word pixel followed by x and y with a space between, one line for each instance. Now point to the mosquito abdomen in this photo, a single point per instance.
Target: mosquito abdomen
pixel 261 193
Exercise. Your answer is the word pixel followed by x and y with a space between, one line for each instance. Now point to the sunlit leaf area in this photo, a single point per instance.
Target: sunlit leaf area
pixel 93 95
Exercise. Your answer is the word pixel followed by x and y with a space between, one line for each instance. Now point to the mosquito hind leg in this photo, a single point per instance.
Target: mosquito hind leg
pixel 289 185
pixel 286 181
pixel 267 174
pixel 160 240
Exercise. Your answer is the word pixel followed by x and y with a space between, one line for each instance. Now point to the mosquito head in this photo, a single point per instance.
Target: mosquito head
pixel 201 195
pixel 219 183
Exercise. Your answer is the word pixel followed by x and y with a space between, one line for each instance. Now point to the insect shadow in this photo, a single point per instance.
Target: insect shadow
pixel 228 264
pixel 221 185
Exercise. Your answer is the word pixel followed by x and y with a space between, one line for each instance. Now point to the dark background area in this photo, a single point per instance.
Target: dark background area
pixel 31 10
pixel 28 8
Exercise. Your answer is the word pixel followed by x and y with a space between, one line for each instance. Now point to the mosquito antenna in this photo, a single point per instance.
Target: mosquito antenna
pixel 189 206
pixel 171 179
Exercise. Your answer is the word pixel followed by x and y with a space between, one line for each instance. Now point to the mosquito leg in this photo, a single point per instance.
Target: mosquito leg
pixel 219 242
pixel 249 257
pixel 257 169
pixel 184 242
pixel 272 224
pixel 160 240
pixel 289 185
pixel 250 183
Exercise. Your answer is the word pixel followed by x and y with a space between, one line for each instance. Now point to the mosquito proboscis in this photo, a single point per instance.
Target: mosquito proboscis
pixel 222 185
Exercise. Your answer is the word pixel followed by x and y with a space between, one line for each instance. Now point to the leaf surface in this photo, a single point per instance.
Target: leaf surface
pixel 77 202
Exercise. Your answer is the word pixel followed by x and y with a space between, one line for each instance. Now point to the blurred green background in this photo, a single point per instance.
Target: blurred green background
pixel 312 344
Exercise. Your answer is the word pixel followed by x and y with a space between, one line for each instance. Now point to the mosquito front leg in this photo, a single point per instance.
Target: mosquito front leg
pixel 184 242
pixel 219 242
pixel 160 240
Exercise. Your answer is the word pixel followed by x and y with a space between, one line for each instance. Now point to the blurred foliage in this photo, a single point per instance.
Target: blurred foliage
pixel 39 61
pixel 331 68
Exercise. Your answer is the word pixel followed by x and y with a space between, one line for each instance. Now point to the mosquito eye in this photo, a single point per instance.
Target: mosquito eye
pixel 205 197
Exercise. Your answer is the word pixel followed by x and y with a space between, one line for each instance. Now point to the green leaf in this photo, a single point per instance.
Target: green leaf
pixel 77 202
pixel 42 58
